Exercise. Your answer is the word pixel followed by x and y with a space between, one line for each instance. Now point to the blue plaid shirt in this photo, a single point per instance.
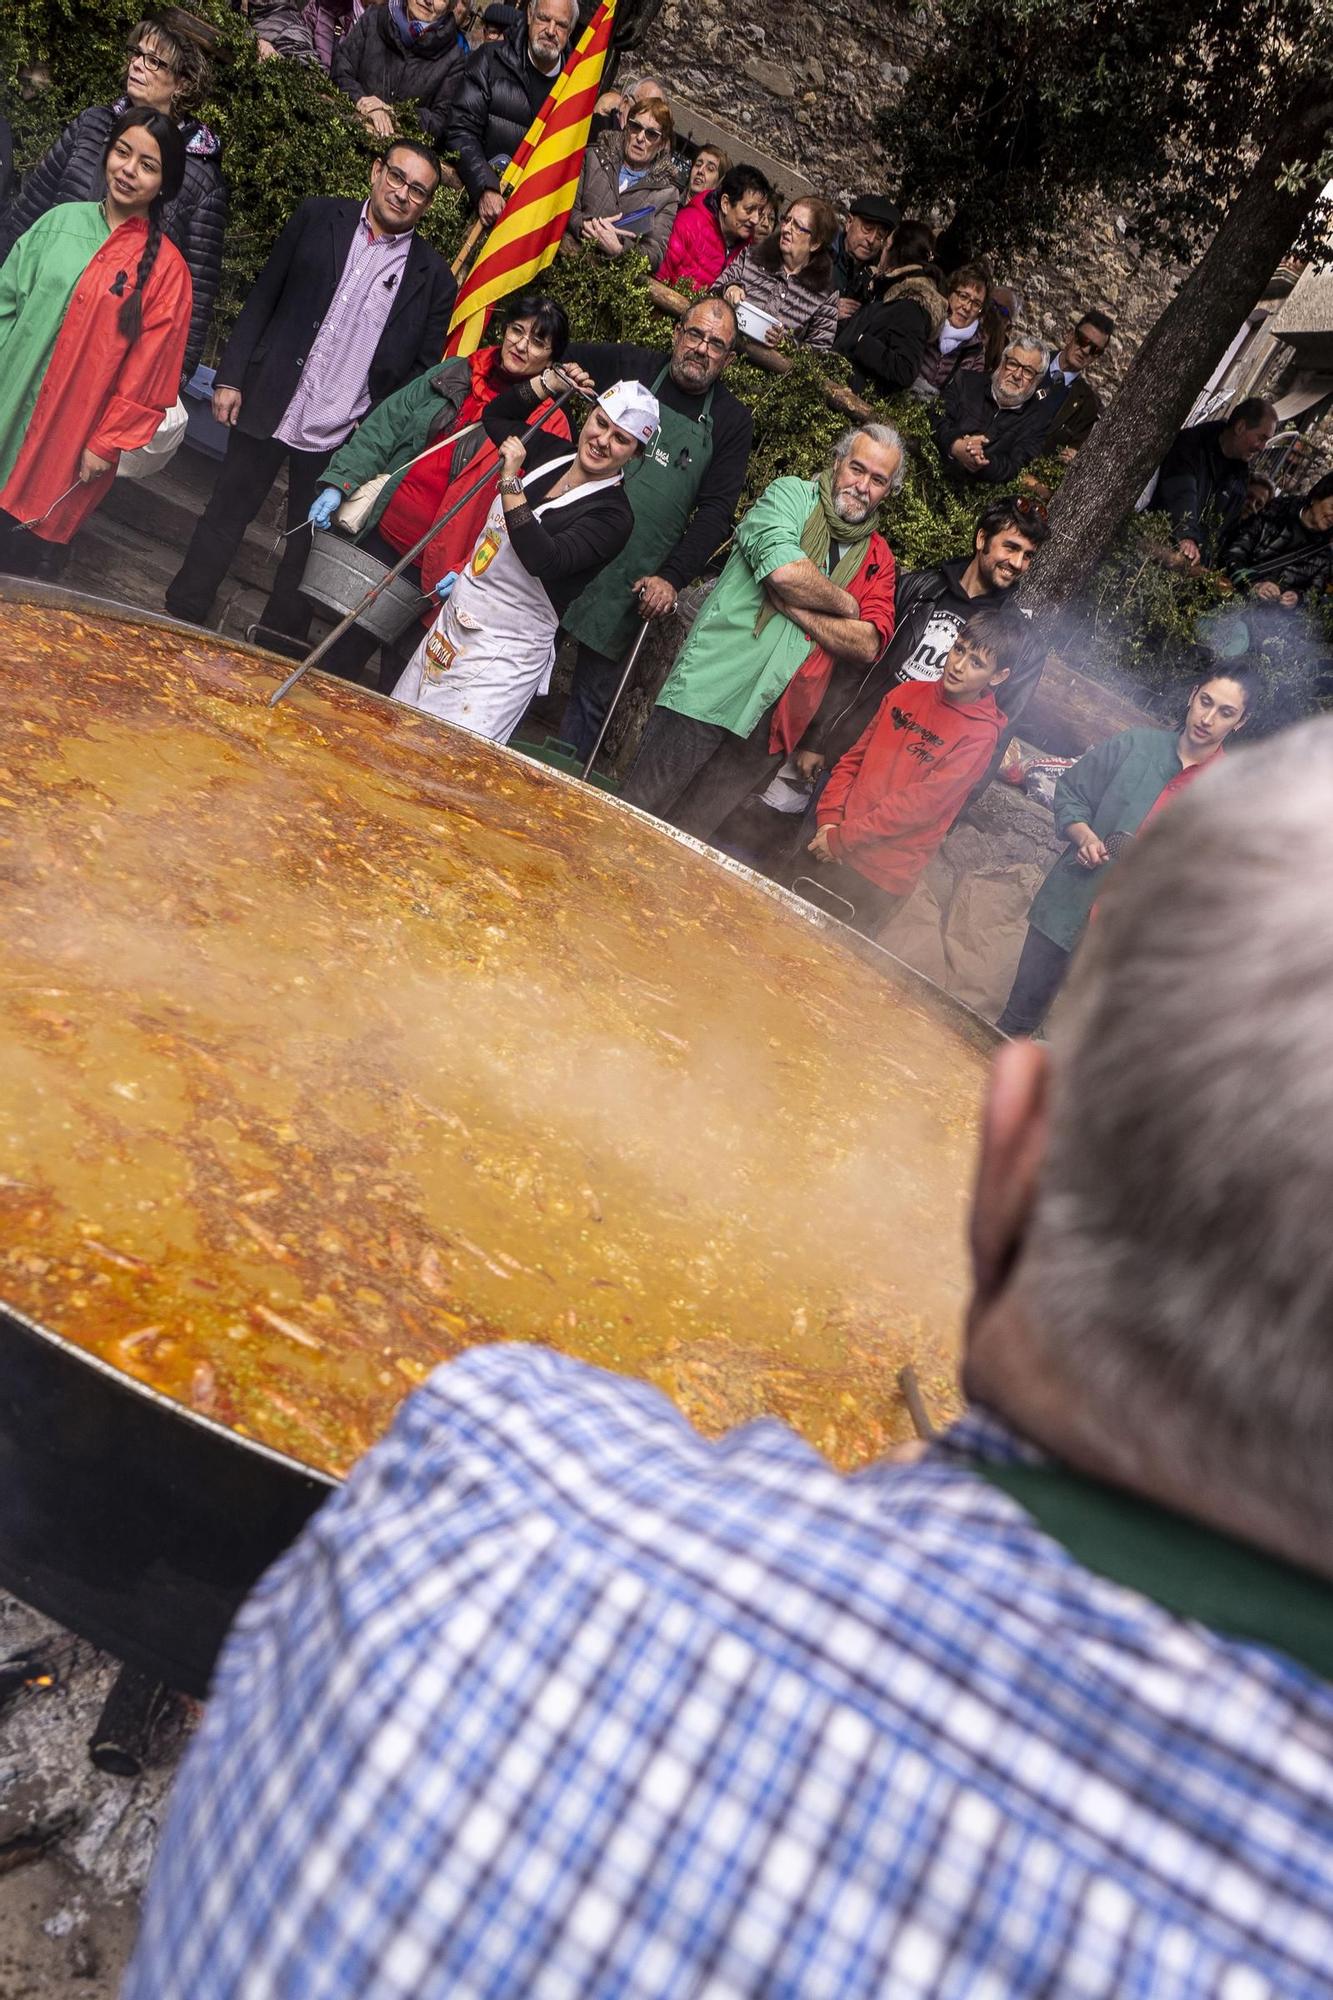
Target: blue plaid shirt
pixel 557 1699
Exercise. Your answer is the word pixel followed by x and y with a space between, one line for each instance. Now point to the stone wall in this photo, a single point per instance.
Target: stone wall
pixel 803 82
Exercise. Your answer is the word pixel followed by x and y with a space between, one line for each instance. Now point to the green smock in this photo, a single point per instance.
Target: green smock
pixel 1111 789
pixel 725 674
pixel 37 281
pixel 662 487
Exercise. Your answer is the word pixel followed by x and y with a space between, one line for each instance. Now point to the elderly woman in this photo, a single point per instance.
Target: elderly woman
pixel 628 194
pixel 962 339
pixel 559 516
pixel 166 73
pixel 408 51
pixel 790 276
pixel 707 167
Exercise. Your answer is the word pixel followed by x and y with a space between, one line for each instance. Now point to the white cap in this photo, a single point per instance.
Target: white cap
pixel 631 408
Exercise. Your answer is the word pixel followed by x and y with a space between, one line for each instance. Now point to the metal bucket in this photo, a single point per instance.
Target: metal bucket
pixel 338 574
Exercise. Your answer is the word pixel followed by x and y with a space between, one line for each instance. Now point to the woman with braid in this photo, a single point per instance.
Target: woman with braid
pixel 94 317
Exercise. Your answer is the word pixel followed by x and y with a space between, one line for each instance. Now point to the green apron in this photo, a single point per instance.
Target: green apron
pixel 605 616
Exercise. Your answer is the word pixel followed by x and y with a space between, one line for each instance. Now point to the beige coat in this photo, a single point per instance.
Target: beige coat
pixel 599 199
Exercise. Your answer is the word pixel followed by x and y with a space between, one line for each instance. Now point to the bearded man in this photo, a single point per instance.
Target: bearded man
pixel 990 427
pixel 810 583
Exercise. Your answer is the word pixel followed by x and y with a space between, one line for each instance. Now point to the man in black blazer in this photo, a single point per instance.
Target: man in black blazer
pixel 350 305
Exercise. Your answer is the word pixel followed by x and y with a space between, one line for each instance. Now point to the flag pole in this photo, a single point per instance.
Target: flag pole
pixel 469 245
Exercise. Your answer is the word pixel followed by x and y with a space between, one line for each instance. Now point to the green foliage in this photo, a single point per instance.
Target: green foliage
pixel 285 131
pixel 1018 106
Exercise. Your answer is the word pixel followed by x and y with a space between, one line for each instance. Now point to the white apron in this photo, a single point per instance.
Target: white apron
pixel 493 645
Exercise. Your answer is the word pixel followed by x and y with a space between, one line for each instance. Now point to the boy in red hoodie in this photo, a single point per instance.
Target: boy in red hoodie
pixel 890 801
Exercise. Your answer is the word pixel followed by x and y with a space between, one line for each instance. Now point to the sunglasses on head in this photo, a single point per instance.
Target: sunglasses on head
pixel 1029 509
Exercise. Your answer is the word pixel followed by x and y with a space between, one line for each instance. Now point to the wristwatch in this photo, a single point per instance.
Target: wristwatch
pixel 511 485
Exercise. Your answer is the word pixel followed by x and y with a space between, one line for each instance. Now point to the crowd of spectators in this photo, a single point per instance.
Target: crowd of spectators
pixel 828 716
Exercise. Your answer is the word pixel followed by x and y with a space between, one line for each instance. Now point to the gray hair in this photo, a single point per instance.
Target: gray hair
pixel 1179 1271
pixel 1028 343
pixel 882 434
pixel 573 6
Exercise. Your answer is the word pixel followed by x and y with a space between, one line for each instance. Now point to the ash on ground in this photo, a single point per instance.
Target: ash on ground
pixel 76 1843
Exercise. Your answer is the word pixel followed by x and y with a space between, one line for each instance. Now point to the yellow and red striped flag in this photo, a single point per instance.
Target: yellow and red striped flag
pixel 543 176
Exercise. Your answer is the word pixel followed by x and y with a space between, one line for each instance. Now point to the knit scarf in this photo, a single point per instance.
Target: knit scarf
pixel 409 31
pixel 954 336
pixel 824 527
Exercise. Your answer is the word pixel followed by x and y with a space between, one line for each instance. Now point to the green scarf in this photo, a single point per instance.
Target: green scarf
pixel 824 527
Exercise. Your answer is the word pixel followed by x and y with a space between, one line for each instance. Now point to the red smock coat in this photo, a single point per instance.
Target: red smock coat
pixel 99 390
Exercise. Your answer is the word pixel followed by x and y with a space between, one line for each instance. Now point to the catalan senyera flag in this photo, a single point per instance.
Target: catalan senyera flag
pixel 540 182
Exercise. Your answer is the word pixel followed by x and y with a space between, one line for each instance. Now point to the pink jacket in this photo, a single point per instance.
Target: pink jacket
pixel 697 249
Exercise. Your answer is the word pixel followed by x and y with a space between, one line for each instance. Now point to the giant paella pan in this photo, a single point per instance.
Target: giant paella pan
pixel 334 1041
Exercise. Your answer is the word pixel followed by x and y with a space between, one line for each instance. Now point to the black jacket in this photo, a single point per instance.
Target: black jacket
pixel 1075 414
pixel 195 221
pixel 565 551
pixel 371 61
pixel 1013 437
pixel 1275 546
pixel 1201 488
pixel 279 320
pixel 500 95
pixel 854 692
pixel 885 340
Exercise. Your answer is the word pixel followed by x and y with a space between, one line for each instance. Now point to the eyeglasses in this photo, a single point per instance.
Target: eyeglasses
pixel 643 128
pixel 154 64
pixel 1028 509
pixel 973 301
pixel 1021 368
pixel 713 342
pixel 801 228
pixel 398 179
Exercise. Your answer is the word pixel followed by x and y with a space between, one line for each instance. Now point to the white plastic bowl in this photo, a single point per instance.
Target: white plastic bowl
pixel 755 323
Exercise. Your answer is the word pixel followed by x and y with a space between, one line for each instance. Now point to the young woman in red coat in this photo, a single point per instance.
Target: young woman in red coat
pixel 94 317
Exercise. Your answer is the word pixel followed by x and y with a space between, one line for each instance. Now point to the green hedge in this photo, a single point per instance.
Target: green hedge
pixel 285 131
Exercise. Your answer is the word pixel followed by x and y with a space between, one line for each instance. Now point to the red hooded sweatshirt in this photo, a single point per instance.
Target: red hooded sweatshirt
pixel 894 796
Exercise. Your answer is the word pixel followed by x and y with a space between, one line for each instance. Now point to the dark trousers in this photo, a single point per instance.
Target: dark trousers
pixel 694 774
pixel 1041 967
pixel 595 680
pixel 349 655
pixel 244 479
pixel 871 906
pixel 673 748
pixel 24 554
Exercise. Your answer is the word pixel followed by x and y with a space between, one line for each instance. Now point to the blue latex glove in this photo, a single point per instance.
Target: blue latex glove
pixel 326 506
pixel 444 588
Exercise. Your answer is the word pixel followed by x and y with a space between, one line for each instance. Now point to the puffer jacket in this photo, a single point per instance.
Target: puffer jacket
pixel 886 340
pixel 806 307
pixel 372 60
pixel 195 221
pixel 1275 546
pixel 698 251
pixel 599 197
pixel 500 94
pixel 937 370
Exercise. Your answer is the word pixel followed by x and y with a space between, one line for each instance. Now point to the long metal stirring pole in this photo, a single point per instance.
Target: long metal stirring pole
pixel 625 673
pixel 376 590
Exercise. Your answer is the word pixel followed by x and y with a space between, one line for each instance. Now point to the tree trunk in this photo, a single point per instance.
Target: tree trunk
pixel 1175 360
